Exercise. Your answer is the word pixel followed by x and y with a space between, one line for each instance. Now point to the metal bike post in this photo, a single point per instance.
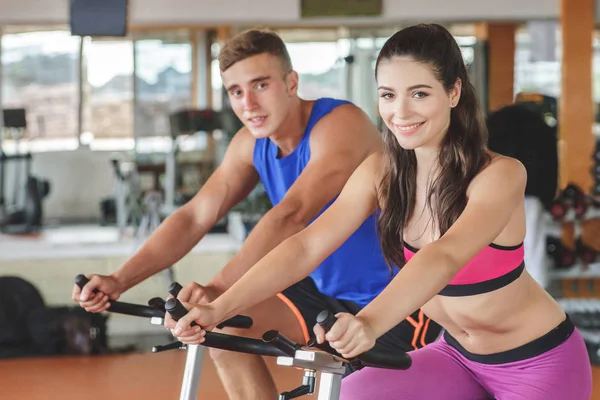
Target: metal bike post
pixel 329 386
pixel 191 374
pixel 330 367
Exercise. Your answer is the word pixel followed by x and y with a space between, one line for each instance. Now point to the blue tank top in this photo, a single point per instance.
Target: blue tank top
pixel 356 271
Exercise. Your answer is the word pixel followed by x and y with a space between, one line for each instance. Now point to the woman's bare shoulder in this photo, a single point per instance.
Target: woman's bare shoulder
pixel 498 168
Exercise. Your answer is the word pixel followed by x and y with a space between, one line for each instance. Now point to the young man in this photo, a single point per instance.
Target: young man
pixel 303 152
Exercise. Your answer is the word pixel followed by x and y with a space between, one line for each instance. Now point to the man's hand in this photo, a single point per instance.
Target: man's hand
pixel 349 336
pixel 108 289
pixel 197 294
pixel 191 295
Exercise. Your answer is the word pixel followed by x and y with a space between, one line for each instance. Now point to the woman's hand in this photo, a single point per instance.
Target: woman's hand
pixel 350 336
pixel 204 315
pixel 195 294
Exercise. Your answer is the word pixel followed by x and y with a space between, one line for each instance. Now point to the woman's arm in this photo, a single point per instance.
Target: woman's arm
pixel 494 196
pixel 296 257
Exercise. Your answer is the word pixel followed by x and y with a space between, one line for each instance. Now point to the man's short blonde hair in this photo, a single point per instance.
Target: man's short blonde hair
pixel 251 43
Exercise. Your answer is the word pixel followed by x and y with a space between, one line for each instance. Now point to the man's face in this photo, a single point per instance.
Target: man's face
pixel 260 93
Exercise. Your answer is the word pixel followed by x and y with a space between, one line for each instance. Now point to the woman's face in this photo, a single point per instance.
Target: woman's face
pixel 413 103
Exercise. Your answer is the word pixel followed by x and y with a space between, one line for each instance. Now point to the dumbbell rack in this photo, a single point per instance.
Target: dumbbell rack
pixel 580 262
pixel 575 273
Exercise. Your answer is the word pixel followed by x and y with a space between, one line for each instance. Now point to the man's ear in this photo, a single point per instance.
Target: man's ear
pixel 291 81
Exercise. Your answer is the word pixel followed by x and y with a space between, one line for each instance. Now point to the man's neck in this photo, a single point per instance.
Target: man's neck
pixel 290 133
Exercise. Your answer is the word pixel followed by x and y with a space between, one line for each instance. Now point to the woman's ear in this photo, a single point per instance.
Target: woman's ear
pixel 455 93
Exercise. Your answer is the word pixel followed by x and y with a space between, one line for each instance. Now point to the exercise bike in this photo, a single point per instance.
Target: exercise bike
pixel 25 214
pixel 312 360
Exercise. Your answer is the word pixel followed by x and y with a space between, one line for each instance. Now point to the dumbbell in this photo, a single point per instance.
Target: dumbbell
pixel 596 155
pixel 567 198
pixel 585 253
pixel 577 198
pixel 559 207
pixel 562 256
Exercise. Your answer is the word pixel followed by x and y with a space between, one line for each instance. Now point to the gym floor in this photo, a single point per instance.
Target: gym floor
pixel 133 376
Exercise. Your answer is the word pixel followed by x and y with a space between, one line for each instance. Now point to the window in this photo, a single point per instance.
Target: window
pixel 108 93
pixel 320 67
pixel 596 68
pixel 218 92
pixel 536 73
pixel 41 75
pixel 164 83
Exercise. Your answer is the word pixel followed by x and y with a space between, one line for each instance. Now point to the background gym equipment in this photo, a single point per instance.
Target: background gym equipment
pixel 135 205
pixel 522 131
pixel 188 122
pixel 596 169
pixel 573 243
pixel 124 208
pixel 25 214
pixel 542 104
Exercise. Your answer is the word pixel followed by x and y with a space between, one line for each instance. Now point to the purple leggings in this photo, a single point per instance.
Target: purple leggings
pixel 560 370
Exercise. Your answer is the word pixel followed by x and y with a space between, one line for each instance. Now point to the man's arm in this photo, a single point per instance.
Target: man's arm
pixel 230 183
pixel 339 143
pixel 307 249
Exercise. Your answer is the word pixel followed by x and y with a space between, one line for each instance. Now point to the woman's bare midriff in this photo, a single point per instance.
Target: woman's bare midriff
pixel 500 320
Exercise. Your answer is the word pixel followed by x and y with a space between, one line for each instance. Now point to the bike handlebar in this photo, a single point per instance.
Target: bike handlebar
pixel 122 307
pixel 157 306
pixel 238 321
pixel 369 358
pixel 273 343
pixel 226 342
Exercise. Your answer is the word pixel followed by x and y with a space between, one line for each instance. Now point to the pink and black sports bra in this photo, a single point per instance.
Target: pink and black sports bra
pixel 492 268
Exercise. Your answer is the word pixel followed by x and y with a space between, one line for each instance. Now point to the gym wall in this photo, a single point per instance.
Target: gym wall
pixel 145 12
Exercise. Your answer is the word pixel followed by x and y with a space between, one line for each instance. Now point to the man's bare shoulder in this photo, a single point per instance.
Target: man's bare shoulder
pixel 242 144
pixel 347 115
pixel 347 126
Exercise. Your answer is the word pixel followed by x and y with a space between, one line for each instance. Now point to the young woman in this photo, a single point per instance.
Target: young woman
pixel 452 218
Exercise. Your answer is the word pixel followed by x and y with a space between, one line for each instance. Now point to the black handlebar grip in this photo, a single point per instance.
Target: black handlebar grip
pixel 174 289
pixel 157 303
pixel 278 340
pixel 81 280
pixel 126 308
pixel 239 321
pixel 326 319
pixel 176 309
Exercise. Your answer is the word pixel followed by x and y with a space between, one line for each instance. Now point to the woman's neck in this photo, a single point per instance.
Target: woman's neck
pixel 427 160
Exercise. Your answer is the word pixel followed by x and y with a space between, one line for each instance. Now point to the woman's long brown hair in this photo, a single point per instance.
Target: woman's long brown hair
pixel 463 150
